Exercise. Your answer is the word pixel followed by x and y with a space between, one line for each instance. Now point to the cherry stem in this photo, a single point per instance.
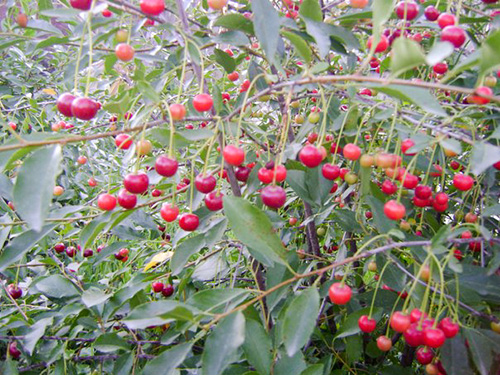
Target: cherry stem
pixel 377 286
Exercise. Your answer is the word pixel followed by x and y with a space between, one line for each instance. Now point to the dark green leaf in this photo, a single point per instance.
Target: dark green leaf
pixel 168 361
pixel 37 330
pixel 110 342
pixel 56 286
pixel 454 356
pixel 184 251
pixel 226 61
pixel 490 54
pixel 267 26
pixel 258 347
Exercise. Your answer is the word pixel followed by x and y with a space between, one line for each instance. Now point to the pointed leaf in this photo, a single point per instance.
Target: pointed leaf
pixel 258 347
pixel 484 155
pixel 267 26
pixel 167 362
pixel 312 10
pixel 406 54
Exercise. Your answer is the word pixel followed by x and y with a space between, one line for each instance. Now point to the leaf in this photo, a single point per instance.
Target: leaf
pixel 226 61
pixel 20 245
pixel 37 330
pixel 157 313
pixel 222 345
pixel 454 356
pixel 235 38
pixel 382 10
pixel 94 296
pixel 235 21
pixel 56 286
pixel 300 320
pixel 290 365
pixel 481 345
pixel 314 370
pixel 439 52
pixel 34 187
pixel 300 44
pixel 158 258
pixel 168 361
pixel 346 219
pixel 253 227
pixel 312 10
pixel 258 347
pixel 9 367
pixel 406 54
pixel 217 301
pixel 110 342
pixel 381 223
pixel 267 26
pixel 184 251
pixel 320 32
pixel 490 54
pixel 43 26
pixel 484 155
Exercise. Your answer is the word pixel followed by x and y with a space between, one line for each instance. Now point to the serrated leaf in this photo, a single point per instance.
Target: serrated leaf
pixel 184 251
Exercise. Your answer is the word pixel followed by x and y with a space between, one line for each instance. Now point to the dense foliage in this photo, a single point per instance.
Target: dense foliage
pixel 250 187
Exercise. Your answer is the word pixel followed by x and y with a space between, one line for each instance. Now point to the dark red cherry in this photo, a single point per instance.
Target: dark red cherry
pixel 59 248
pixel 214 201
pixel 366 324
pixel 205 184
pixel 166 166
pixel 189 222
pixel 273 196
pixel 242 173
pixel 424 355
pixel 14 291
pixel 330 171
pixel 168 290
pixel 64 104
pixel 157 287
pixel 126 200
pixel 14 352
pixel 136 183
pixel 431 13
pixel 423 192
pixel 81 4
pixel 84 108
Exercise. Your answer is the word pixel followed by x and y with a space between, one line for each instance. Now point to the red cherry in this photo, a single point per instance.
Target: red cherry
pixel 446 19
pixel 168 290
pixel 453 34
pixel 152 7
pixel 273 196
pixel 330 171
pixel 84 108
pixel 366 324
pixel 14 352
pixel 388 187
pixel 71 251
pixel 106 13
pixel 202 102
pixel 449 328
pixel 310 156
pixel 81 4
pixel 406 145
pixel 214 201
pixel 381 46
pixel 136 183
pixel 123 141
pixel 126 200
pixel 410 181
pixel 242 173
pixel 463 182
pixel 157 287
pixel 434 338
pixel 59 248
pixel 168 212
pixel 205 184
pixel 441 198
pixel 351 151
pixel 64 102
pixel 189 222
pixel 233 76
pixel 423 192
pixel 424 355
pixel 483 90
pixel 431 13
pixel 106 202
pixel 177 111
pixel 166 166
pixel 88 253
pixel 368 214
pixel 413 335
pixel 440 68
pixel 233 155
pixel 280 172
pixel 416 315
pixel 265 175
pixel 339 294
pixel 412 9
pixel 14 291
pixel 497 164
pixel 384 343
pixel 400 322
pixel 124 52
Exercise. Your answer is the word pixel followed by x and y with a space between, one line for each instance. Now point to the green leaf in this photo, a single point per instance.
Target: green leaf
pixel 346 219
pixel 168 361
pixel 94 296
pixel 253 227
pixel 382 10
pixel 110 342
pixel 235 38
pixel 123 365
pixel 102 223
pixel 439 52
pixel 157 313
pixel 406 54
pixel 454 356
pixel 20 245
pixel 43 26
pixel 312 10
pixel 148 91
pixel 290 365
pixel 300 320
pixel 354 348
pixel 37 330
pixel 490 53
pixel 267 26
pixel 381 223
pixel 320 32
pixel 258 347
pixel 235 21
pixel 217 301
pixel 481 345
pixel 51 41
pixel 484 155
pixel 9 367
pixel 35 183
pixel 222 345
pixel 226 61
pixel 184 251
pixel 61 12
pixel 314 370
pixel 56 286
pixel 300 44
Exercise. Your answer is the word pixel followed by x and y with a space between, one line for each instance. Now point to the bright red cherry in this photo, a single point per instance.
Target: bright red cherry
pixel 233 155
pixel 406 145
pixel 64 102
pixel 14 352
pixel 434 338
pixel 14 291
pixel 400 322
pixel 157 287
pixel 81 4
pixel 214 201
pixel 265 175
pixel 441 198
pixel 351 151
pixel 446 19
pixel 416 315
pixel 168 290
pixel 84 108
pixel 449 328
pixel 453 34
pixel 168 212
pixel 189 222
pixel 233 76
pixel 423 192
pixel 126 200
pixel 388 187
pixel 123 141
pixel 166 166
pixel 152 7
pixel 280 172
pixel 71 251
pixel 136 183
pixel 410 7
pixel 440 68
pixel 310 156
pixel 273 196
pixel 330 171
pixel 366 324
pixel 177 111
pixel 384 343
pixel 477 99
pixel 203 102
pixel 381 46
pixel 424 355
pixel 431 13
pixel 413 335
pixel 106 13
pixel 106 202
pixel 339 294
pixel 410 181
pixel 463 182
pixel 205 184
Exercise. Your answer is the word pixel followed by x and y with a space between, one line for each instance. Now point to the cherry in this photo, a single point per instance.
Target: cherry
pixel 400 322
pixel 423 192
pixel 22 20
pixel 280 172
pixel 233 76
pixel 310 156
pixel 431 13
pixel 453 34
pixel 217 4
pixel 166 166
pixel 416 315
pixel 84 108
pixel 202 102
pixel 388 187
pixel 273 196
pixel 463 182
pixel 205 184
pixel 449 328
pixel 81 4
pixel 177 111
pixel 168 212
pixel 368 214
pixel 446 19
pixel 14 291
pixel 106 202
pixel 366 324
pixel 168 290
pixel 136 183
pixel 412 9
pixel 351 151
pixel 14 352
pixel 106 13
pixel 123 141
pixel 440 68
pixel 71 251
pixel 88 253
pixel 381 46
pixel 64 102
pixel 189 222
pixel 434 338
pixel 406 145
pixel 126 200
pixel 152 7
pixel 157 286
pixel 432 369
pixel 233 155
pixel 470 217
pixel 59 248
pixel 242 173
pixel 124 52
pixel 384 343
pixel 358 4
pixel 339 294
pixel 410 181
pixel 330 171
pixel 424 355
pixel 214 201
pixel 413 335
pixel 483 90
pixel 265 175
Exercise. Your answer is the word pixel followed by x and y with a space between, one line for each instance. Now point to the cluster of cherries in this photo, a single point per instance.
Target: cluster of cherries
pixel 71 251
pixel 166 289
pixel 80 107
